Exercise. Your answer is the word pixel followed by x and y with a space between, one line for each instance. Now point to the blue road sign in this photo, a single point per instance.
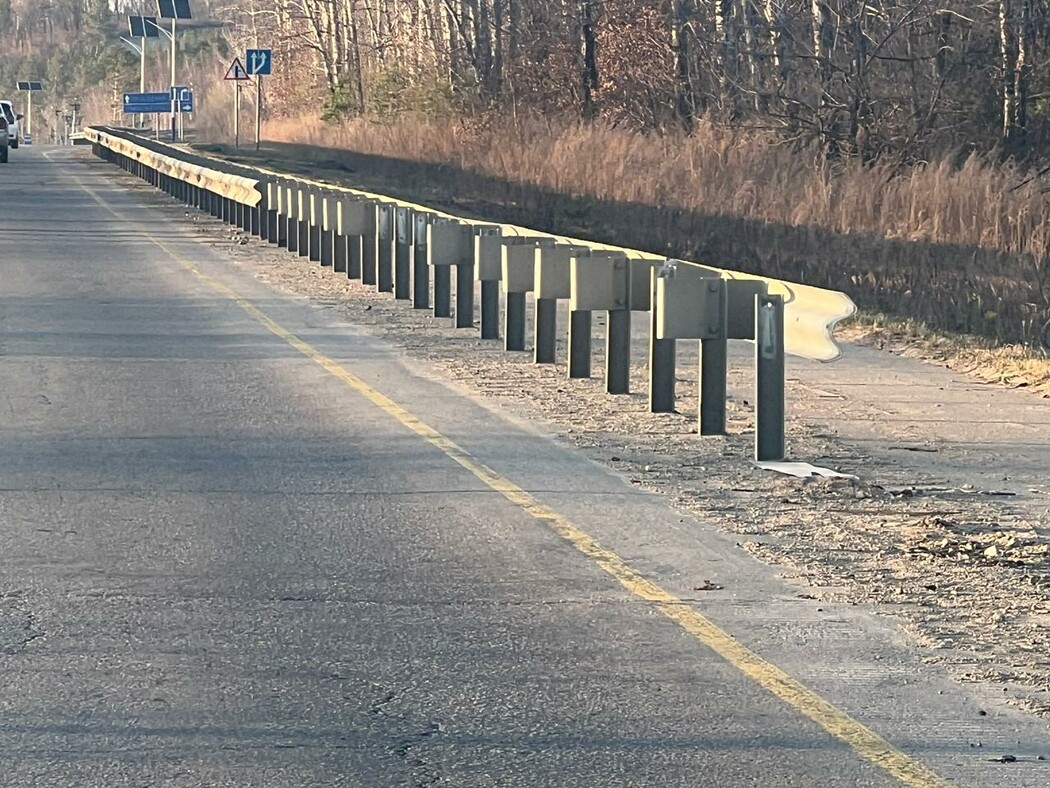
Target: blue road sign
pixel 147 103
pixel 154 103
pixel 259 62
pixel 184 96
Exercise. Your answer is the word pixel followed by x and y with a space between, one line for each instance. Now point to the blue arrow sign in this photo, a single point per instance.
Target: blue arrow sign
pixel 146 103
pixel 157 103
pixel 259 62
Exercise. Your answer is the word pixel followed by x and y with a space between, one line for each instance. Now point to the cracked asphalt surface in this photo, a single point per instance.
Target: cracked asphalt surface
pixel 219 566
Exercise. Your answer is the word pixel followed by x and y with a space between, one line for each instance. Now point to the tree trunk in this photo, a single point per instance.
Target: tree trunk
pixel 1023 72
pixel 681 31
pixel 727 65
pixel 1008 57
pixel 589 56
pixel 823 50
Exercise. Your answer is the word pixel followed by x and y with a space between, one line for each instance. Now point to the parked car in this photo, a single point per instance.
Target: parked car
pixel 12 122
pixel 4 139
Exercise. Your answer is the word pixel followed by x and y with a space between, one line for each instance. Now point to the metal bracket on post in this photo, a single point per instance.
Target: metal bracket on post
pixel 402 252
pixel 714 360
pixel 350 214
pixel 662 359
pixel 602 280
pixel 420 263
pixel 370 244
pixel 551 281
pixel 385 256
pixel 277 232
pixel 327 254
pixel 449 243
pixel 518 278
pixel 291 233
pixel 316 220
pixel 488 246
pixel 692 304
pixel 769 377
pixel 302 216
pixel 465 277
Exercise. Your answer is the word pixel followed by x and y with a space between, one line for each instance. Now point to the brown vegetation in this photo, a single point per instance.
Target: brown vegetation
pixel 960 246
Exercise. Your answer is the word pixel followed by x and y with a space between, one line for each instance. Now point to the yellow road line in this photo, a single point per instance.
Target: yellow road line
pixel 864 741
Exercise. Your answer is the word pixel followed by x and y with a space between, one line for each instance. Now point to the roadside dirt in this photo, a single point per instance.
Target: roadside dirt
pixel 966 570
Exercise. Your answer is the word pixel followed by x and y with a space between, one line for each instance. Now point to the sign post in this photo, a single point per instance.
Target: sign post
pixel 260 64
pixel 236 74
pixel 142 27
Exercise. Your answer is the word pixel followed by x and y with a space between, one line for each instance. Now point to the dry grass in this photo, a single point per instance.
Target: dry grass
pixel 748 176
pixel 960 246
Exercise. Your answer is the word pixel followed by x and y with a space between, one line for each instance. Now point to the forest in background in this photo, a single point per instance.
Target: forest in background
pixel 911 78
pixel 895 150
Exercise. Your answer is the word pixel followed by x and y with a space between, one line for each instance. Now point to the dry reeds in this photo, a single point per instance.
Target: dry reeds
pixel 959 245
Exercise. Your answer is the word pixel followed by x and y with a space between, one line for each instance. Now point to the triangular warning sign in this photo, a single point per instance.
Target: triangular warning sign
pixel 236 71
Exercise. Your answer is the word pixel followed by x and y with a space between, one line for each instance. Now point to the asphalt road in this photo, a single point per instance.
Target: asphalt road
pixel 222 565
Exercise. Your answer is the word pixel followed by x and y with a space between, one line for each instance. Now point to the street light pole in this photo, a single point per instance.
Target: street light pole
pixel 174 115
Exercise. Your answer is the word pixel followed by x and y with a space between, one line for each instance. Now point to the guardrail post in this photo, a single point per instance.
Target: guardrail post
pixel 518 277
pixel 327 234
pixel 714 361
pixel 340 241
pixel 314 239
pixel 514 333
pixel 465 293
pixel 268 218
pixel 420 263
pixel 402 252
pixel 385 262
pixel 545 323
pixel 488 251
pixel 618 352
pixel 450 243
pixel 350 222
pixel 291 222
pixel 579 343
pixel 662 354
pixel 769 377
pixel 551 281
pixel 302 215
pixel 370 245
pixel 602 280
pixel 443 291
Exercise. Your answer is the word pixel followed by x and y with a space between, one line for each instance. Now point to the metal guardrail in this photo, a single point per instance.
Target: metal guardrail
pixel 411 250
